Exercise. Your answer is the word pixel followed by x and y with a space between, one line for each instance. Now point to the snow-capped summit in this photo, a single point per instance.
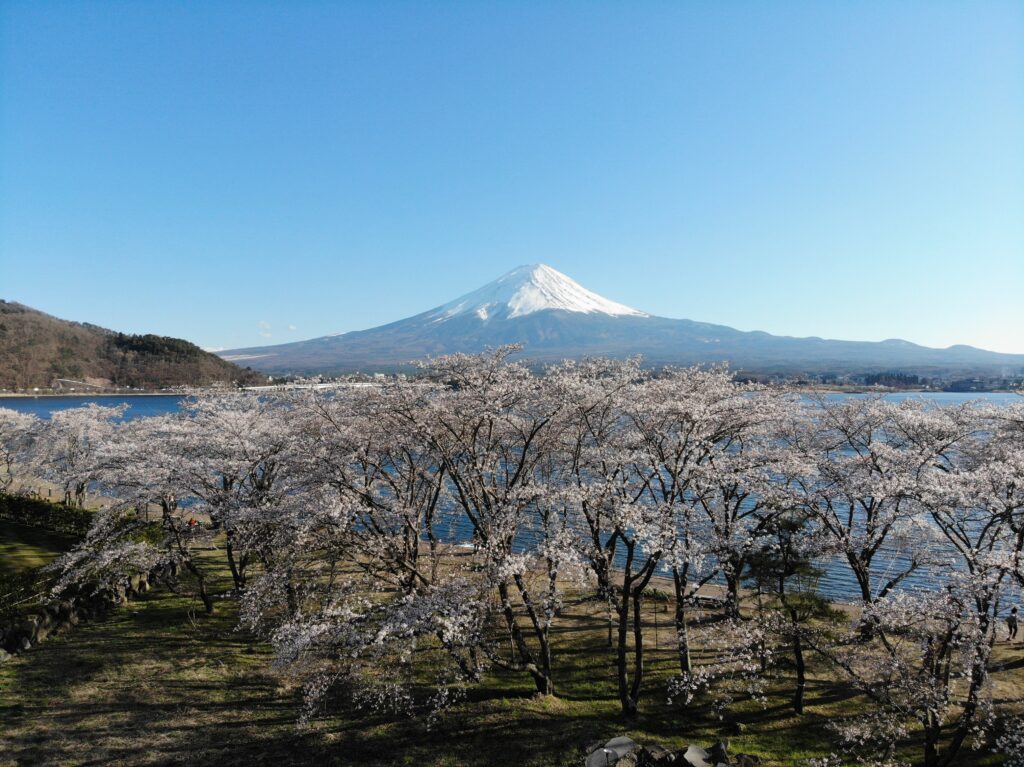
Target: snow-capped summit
pixel 529 289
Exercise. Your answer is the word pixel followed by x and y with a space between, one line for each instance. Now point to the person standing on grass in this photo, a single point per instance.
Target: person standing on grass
pixel 1011 623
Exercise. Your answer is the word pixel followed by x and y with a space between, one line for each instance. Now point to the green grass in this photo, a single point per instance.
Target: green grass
pixel 25 548
pixel 160 683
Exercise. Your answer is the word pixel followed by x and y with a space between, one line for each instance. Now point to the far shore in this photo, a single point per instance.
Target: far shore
pixel 33 395
pixel 799 388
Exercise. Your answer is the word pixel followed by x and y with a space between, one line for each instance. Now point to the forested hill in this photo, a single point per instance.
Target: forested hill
pixel 37 349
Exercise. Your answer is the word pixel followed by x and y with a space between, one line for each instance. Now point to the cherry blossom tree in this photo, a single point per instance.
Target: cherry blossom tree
pixel 782 568
pixel 705 454
pixel 16 434
pixel 489 427
pixel 235 464
pixel 68 446
pixel 929 661
pixel 620 530
pixel 358 445
pixel 927 664
pixel 139 466
pixel 858 477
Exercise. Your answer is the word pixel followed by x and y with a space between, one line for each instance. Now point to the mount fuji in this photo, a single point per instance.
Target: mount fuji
pixel 556 318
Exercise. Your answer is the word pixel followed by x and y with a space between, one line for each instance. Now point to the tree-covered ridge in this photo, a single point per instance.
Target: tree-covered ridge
pixel 37 349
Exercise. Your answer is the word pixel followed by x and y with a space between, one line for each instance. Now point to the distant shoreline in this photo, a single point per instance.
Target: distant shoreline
pixel 797 388
pixel 96 394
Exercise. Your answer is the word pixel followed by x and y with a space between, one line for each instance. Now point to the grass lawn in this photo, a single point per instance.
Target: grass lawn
pixel 24 548
pixel 160 683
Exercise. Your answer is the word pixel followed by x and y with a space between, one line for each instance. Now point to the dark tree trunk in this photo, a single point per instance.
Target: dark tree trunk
pixel 931 745
pixel 621 651
pixel 638 647
pixel 801 672
pixel 733 574
pixel 201 586
pixel 541 676
pixel 237 572
pixel 621 661
pixel 682 632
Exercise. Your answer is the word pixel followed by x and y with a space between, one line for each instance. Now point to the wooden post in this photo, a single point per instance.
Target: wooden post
pixel 655 606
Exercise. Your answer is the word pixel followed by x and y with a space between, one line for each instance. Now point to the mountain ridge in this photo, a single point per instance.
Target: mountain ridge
pixel 555 318
pixel 37 348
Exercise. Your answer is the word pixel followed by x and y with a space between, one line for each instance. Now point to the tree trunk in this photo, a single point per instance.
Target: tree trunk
pixel 541 677
pixel 801 672
pixel 237 573
pixel 732 592
pixel 638 646
pixel 291 596
pixel 546 685
pixel 621 663
pixel 931 745
pixel 682 632
pixel 201 584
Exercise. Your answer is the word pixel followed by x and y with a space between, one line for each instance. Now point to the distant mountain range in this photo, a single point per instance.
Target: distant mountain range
pixel 557 318
pixel 37 350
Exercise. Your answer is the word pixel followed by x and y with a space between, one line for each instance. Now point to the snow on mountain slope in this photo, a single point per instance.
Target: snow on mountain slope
pixel 530 289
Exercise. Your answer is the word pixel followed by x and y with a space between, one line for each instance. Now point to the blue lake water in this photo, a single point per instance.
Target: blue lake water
pixel 142 405
pixel 139 406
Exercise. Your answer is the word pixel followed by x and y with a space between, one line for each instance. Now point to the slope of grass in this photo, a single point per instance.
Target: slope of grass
pixel 25 548
pixel 160 683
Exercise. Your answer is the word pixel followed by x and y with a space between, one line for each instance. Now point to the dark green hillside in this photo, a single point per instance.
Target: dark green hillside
pixel 37 349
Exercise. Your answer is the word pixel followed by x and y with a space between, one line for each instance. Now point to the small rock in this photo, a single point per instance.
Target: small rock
pixel 602 757
pixel 747 760
pixel 4 655
pixel 613 752
pixel 656 756
pixel 719 753
pixel 621 745
pixel 696 756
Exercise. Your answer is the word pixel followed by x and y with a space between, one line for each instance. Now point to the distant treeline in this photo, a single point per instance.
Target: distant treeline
pixel 37 512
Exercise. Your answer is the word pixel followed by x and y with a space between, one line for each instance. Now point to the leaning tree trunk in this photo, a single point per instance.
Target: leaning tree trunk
pixel 541 677
pixel 540 631
pixel 628 702
pixel 237 569
pixel 200 585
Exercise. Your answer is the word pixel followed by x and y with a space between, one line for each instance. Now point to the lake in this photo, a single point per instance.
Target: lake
pixel 142 405
pixel 139 405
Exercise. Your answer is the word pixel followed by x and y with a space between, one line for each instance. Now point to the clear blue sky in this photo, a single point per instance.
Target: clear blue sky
pixel 227 171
